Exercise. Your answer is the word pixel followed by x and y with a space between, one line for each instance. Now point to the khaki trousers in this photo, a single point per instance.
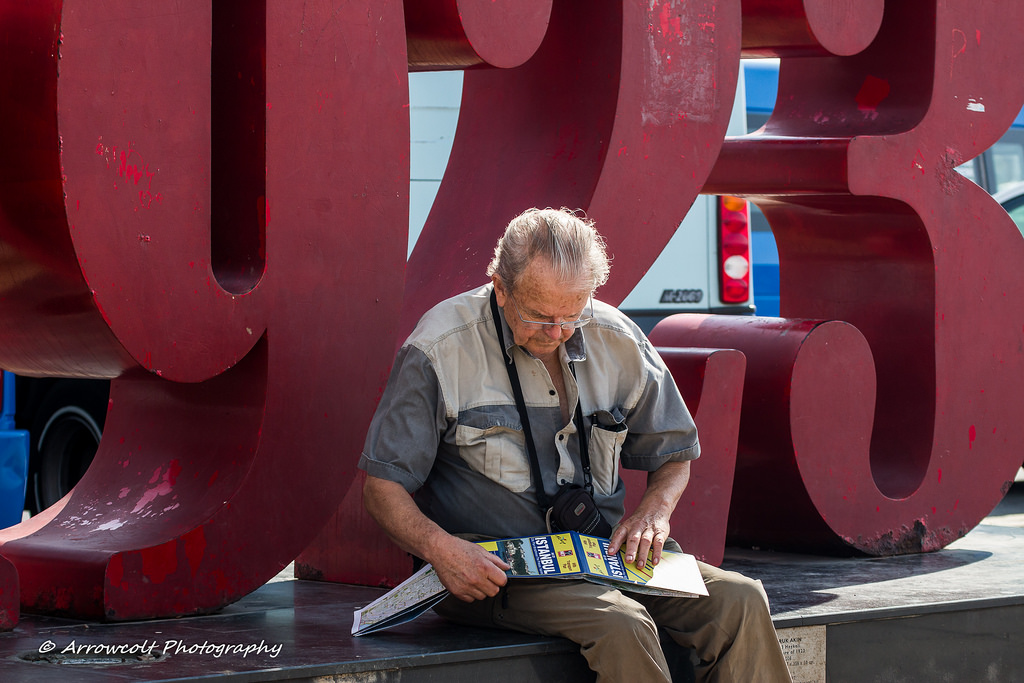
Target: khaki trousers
pixel 730 630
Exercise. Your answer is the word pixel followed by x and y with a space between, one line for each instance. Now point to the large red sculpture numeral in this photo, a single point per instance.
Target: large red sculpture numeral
pixel 220 169
pixel 855 171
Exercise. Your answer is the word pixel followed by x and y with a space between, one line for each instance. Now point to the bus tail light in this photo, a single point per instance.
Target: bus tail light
pixel 734 249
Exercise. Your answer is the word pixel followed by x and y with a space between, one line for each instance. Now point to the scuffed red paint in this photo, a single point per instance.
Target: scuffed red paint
pixel 159 562
pixel 670 24
pixel 195 549
pixel 220 581
pixel 173 470
pixel 115 571
pixel 63 598
pixel 129 165
pixel 10 609
pixel 166 479
pixel 959 43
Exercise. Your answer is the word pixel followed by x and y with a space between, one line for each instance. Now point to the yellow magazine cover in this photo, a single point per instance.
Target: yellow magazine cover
pixel 574 555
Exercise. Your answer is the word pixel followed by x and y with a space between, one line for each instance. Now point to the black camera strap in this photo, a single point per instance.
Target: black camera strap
pixel 517 391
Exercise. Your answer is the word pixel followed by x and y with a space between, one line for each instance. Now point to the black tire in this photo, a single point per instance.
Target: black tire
pixel 65 434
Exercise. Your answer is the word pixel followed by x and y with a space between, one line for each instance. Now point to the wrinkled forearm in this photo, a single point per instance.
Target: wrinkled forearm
pixel 468 571
pixel 394 510
pixel 665 486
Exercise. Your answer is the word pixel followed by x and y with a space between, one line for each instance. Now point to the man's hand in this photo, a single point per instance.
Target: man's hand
pixel 647 528
pixel 642 532
pixel 468 571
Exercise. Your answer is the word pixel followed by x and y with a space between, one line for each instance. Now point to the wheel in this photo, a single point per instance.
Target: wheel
pixel 65 435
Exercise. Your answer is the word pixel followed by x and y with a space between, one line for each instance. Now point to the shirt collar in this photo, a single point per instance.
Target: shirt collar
pixel 576 347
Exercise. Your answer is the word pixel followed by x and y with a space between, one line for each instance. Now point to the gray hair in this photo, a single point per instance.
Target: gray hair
pixel 568 242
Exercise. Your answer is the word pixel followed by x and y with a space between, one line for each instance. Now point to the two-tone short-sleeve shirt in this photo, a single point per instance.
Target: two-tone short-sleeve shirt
pixel 447 427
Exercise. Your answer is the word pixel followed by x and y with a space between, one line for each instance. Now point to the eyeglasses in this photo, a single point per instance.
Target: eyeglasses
pixel 567 325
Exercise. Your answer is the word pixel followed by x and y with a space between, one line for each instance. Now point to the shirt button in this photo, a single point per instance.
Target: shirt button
pixel 551 392
pixel 561 437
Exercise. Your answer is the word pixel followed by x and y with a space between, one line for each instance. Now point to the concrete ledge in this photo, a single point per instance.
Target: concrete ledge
pixel 957 614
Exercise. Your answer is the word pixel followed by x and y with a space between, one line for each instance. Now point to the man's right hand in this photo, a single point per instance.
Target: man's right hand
pixel 468 571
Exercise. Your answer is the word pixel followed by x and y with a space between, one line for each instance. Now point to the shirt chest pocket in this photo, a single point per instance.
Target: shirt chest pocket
pixel 607 434
pixel 492 444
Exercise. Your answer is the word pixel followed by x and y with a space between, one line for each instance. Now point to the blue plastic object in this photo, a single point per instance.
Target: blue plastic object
pixel 13 459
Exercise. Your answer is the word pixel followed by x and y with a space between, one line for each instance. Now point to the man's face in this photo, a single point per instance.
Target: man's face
pixel 541 296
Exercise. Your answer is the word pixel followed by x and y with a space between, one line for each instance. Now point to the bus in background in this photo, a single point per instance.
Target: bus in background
pixel 705 267
pixel 996 169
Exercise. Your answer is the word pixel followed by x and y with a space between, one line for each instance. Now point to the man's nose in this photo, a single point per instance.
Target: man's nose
pixel 555 331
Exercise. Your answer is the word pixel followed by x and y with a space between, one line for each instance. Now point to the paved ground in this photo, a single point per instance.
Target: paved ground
pixel 1010 512
pixel 304 626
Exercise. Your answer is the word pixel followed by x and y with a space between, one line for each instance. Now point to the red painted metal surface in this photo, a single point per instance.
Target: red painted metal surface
pixel 460 34
pixel 10 601
pixel 800 28
pixel 885 235
pixel 711 381
pixel 808 402
pixel 236 410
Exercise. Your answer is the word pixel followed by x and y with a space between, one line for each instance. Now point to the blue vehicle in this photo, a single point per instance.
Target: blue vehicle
pixel 63 418
pixel 761 79
pixel 997 169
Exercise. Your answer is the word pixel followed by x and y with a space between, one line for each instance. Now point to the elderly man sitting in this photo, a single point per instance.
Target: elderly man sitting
pixel 593 394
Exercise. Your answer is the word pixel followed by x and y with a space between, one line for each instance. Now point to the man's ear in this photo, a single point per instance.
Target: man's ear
pixel 500 293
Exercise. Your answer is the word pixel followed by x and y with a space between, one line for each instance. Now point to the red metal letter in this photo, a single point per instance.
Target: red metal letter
pixel 241 234
pixel 855 171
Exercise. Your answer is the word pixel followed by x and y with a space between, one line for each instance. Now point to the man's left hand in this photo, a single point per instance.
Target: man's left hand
pixel 645 530
pixel 643 534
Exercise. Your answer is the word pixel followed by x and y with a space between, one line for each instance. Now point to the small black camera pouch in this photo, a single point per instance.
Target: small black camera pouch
pixel 574 509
